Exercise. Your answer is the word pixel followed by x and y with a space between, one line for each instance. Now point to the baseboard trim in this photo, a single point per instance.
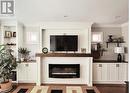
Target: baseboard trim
pixel 33 84
pixel 108 82
pixel 50 84
pixel 64 84
pixel 110 85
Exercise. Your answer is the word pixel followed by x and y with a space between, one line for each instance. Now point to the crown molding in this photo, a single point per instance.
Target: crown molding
pixel 105 25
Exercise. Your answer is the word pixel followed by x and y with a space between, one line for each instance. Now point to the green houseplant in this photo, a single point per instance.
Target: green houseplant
pixel 24 52
pixel 7 64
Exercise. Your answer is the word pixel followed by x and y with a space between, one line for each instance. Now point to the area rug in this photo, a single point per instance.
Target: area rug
pixel 46 89
pixel 40 89
pixel 29 89
pixel 74 89
pixel 57 89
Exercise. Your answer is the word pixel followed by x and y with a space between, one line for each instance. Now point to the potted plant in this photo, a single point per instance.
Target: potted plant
pixel 24 53
pixel 7 64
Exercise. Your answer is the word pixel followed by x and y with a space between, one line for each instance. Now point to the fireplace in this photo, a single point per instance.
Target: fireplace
pixel 64 70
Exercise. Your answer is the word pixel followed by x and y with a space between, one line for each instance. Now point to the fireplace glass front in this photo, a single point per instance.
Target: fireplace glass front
pixel 64 70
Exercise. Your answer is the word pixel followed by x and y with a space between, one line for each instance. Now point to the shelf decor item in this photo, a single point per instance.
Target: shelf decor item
pixel 45 50
pixel 24 54
pixel 14 34
pixel 119 51
pixel 8 63
pixel 83 50
pixel 8 34
pixel 110 38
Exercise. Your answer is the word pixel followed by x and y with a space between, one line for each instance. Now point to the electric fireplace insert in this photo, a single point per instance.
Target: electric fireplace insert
pixel 64 70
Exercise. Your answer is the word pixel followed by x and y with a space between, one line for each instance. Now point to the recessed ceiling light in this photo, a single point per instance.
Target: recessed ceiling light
pixel 65 16
pixel 117 17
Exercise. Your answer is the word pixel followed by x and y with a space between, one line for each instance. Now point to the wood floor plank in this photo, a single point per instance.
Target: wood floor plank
pixel 111 89
pixel 74 91
pixel 39 91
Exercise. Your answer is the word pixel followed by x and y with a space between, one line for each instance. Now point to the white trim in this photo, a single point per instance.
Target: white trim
pixel 90 72
pixel 32 25
pixel 125 24
pixel 38 81
pixel 108 82
pixel 105 25
pixel 26 81
pixel 65 25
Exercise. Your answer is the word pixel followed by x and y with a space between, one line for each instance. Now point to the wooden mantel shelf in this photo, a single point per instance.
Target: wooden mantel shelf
pixel 63 55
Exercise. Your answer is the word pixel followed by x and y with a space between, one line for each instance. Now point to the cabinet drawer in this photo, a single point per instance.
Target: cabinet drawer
pixel 110 72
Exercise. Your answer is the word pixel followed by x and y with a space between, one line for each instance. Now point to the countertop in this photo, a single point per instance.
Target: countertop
pixel 108 61
pixel 30 61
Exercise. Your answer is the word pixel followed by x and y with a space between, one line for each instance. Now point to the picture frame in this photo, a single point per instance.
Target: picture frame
pixel 83 50
pixel 8 34
pixel 14 34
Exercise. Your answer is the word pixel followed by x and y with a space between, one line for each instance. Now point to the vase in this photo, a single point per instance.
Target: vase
pixel 22 59
pixel 5 87
pixel 110 38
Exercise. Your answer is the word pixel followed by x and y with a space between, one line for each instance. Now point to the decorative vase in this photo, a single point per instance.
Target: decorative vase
pixel 110 38
pixel 22 59
pixel 5 87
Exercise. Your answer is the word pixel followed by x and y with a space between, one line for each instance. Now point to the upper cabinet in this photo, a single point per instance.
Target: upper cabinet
pixel 12 35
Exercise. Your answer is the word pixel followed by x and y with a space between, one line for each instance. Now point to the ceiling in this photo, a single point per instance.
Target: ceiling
pixel 97 11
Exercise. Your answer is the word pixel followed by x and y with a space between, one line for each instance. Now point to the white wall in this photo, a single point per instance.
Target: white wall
pixel 32 46
pixel 109 54
pixel 0 35
pixel 125 34
pixel 85 70
pixel 82 29
pixel 116 31
pixel 82 37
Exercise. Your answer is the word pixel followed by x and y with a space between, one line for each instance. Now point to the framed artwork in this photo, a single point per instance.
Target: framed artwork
pixel 83 50
pixel 14 34
pixel 8 34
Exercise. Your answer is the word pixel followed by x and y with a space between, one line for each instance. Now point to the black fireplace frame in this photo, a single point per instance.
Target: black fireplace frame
pixel 76 66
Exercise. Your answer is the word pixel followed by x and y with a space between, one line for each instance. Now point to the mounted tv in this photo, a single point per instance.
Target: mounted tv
pixel 63 42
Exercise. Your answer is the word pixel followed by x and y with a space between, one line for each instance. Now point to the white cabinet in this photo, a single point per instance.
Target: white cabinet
pixel 114 73
pixel 118 72
pixel 99 72
pixel 123 72
pixel 27 72
pixel 22 72
pixel 32 72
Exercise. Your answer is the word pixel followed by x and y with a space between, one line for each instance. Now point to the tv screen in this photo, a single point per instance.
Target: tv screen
pixel 63 42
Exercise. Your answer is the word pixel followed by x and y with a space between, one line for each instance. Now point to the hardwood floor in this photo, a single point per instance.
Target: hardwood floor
pixel 109 88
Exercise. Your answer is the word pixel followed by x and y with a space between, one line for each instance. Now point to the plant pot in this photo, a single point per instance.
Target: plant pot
pixel 5 87
pixel 22 59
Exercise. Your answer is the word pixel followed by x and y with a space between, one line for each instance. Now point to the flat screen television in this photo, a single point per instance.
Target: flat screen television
pixel 63 42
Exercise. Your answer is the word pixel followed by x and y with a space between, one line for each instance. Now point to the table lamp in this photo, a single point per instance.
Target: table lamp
pixel 119 51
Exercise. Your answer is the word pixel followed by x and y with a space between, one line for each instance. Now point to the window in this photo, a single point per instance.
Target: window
pixel 97 37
